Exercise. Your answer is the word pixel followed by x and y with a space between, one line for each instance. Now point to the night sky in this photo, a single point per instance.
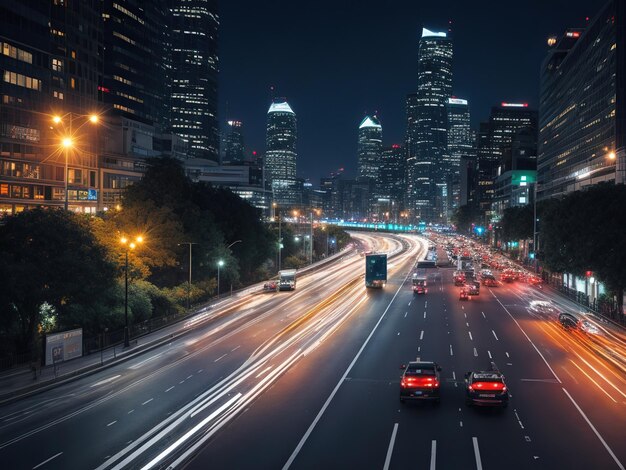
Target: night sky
pixel 336 60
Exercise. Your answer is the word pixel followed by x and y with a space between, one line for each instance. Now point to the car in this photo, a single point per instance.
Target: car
pixel 420 381
pixel 473 288
pixel 569 321
pixel 459 278
pixel 270 286
pixel 486 388
pixel 463 294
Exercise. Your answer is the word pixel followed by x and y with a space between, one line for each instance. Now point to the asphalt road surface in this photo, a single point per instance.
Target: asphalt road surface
pixel 310 379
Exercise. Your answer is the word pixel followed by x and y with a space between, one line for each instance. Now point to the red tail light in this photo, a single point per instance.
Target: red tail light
pixel 488 386
pixel 421 382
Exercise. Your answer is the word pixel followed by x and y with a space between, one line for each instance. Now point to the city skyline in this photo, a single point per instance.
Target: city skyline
pixel 358 81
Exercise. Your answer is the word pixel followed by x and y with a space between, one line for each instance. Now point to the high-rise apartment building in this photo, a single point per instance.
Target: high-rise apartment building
pixel 49 67
pixel 194 26
pixel 234 144
pixel 280 152
pixel 427 144
pixel 582 128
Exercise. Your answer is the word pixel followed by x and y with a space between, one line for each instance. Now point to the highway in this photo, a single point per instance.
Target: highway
pixel 310 380
pixel 128 415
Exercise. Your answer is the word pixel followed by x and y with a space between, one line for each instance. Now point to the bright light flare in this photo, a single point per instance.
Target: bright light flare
pixel 67 142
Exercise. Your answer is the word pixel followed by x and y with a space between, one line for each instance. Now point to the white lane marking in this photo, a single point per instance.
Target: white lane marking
pixel 169 388
pixel 308 432
pixel 470 335
pixel 398 333
pixel 494 335
pixel 507 354
pixel 461 424
pixel 200 370
pixel 489 354
pixel 410 303
pixel 151 358
pixel 594 382
pixel 606 446
pixel 131 411
pixel 467 324
pixel 189 377
pixel 424 314
pixel 102 382
pixel 425 303
pixel 475 352
pixel 453 375
pixel 147 401
pixel 518 420
pixel 47 460
pixel 405 314
pixel 418 348
pixel 235 349
pixel 462 307
pixel 221 357
pixel 479 465
pixel 465 315
pixel 433 455
pixel 390 448
pixel 422 335
pixel 527 337
pixel 451 353
pixel 111 423
pixel 181 382
pixel 191 432
pixel 262 372
pixel 484 315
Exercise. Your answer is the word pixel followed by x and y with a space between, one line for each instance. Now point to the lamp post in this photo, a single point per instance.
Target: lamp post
pixel 231 283
pixel 128 246
pixel 220 263
pixel 189 281
pixel 67 142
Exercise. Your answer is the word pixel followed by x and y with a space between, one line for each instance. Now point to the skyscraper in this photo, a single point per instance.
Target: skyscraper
pixel 459 146
pixel 427 145
pixel 234 151
pixel 495 136
pixel 280 153
pixel 582 129
pixel 370 148
pixel 195 66
pixel 392 176
pixel 135 60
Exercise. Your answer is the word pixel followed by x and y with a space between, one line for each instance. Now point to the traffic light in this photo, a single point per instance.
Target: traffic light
pixel 589 273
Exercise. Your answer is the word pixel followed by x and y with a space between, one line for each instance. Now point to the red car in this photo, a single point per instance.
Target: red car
pixel 464 295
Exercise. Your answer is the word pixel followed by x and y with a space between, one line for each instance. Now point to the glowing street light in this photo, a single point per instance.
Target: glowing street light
pixel 129 245
pixel 220 263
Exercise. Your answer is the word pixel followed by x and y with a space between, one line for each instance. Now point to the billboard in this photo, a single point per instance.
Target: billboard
pixel 64 346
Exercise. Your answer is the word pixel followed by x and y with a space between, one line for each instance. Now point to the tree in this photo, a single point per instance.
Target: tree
pixel 517 223
pixel 464 217
pixel 584 232
pixel 50 262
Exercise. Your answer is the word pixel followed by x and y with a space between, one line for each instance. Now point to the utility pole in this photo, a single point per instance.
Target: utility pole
pixel 189 280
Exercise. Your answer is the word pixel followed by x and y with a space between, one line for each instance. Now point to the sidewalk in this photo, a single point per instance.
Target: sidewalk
pixel 22 382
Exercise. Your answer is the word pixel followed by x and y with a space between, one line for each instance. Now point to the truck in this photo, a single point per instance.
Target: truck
pixel 287 279
pixel 376 270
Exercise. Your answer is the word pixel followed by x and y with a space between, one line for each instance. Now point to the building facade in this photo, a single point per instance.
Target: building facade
pixel 370 148
pixel 48 89
pixel 582 106
pixel 194 28
pixel 428 145
pixel 392 179
pixel 281 153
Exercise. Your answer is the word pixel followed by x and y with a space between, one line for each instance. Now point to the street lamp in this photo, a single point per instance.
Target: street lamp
pixel 189 282
pixel 67 142
pixel 128 245
pixel 220 263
